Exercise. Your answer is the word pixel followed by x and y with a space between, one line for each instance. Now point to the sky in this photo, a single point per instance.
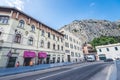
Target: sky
pixel 57 13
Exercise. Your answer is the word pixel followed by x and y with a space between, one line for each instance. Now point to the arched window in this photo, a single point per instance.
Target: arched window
pixel 48 45
pixel 17 38
pixel 54 46
pixel 21 24
pixel 42 43
pixel 33 28
pixel 30 41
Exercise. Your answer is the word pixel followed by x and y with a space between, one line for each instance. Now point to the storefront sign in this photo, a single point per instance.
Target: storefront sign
pixel 42 54
pixel 29 54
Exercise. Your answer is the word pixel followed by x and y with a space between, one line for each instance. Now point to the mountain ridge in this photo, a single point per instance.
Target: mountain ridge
pixel 88 29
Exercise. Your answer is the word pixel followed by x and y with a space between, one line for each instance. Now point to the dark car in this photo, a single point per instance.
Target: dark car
pixel 108 60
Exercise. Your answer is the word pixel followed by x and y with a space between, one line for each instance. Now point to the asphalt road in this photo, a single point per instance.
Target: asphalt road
pixel 69 73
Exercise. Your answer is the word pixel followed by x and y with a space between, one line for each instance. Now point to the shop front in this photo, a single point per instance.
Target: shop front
pixel 28 56
pixel 41 57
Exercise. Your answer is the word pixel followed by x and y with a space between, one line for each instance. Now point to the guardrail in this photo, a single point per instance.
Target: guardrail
pixel 21 69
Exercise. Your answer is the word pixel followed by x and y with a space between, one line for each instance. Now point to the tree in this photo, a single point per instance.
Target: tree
pixel 104 40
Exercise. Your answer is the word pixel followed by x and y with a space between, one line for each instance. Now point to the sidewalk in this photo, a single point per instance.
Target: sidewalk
pixel 22 69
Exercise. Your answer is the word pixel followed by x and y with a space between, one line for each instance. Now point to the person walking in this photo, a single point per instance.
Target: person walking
pixel 31 63
pixel 17 64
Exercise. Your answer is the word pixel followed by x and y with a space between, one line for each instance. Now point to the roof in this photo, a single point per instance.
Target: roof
pixel 13 8
pixel 109 45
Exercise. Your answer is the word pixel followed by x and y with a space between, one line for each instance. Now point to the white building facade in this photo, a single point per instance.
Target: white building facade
pixel 108 51
pixel 25 39
pixel 72 47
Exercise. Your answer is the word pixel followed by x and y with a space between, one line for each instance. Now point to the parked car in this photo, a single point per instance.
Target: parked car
pixel 108 60
pixel 90 58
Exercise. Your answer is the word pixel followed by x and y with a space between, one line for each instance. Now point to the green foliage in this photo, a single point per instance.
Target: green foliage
pixel 119 25
pixel 104 40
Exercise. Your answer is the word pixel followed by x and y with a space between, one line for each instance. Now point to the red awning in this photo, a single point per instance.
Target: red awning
pixel 29 54
pixel 42 54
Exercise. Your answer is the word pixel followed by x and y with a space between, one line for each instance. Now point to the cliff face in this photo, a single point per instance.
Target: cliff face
pixel 87 30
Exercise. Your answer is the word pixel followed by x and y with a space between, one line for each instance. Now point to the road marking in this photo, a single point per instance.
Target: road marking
pixel 63 72
pixel 57 73
pixel 109 72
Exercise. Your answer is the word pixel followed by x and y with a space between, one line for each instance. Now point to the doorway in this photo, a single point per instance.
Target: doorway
pixel 11 62
pixel 68 56
pixel 27 61
pixel 53 59
pixel 48 59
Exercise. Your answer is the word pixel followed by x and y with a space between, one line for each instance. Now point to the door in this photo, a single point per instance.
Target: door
pixel 53 59
pixel 48 59
pixel 11 62
pixel 68 58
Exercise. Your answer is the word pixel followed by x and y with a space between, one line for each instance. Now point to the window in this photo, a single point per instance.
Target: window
pixel 54 46
pixel 71 46
pixel 116 48
pixel 17 38
pixel 21 24
pixel 0 33
pixel 107 49
pixel 58 38
pixel 49 34
pixel 66 37
pixel 70 38
pixel 67 51
pixel 79 55
pixel 4 19
pixel 66 44
pixel 33 28
pixel 62 48
pixel 53 37
pixel 58 47
pixel 76 54
pixel 61 39
pixel 42 43
pixel 43 33
pixel 77 42
pixel 100 50
pixel 72 54
pixel 48 45
pixel 74 47
pixel 74 40
pixel 30 41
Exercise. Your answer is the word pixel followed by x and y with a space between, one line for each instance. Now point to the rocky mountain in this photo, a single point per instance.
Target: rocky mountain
pixel 87 30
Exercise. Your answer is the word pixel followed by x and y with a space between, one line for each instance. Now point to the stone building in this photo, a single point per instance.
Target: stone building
pixel 25 39
pixel 108 51
pixel 72 47
pixel 89 50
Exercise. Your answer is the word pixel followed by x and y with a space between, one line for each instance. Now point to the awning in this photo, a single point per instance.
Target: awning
pixel 42 54
pixel 29 54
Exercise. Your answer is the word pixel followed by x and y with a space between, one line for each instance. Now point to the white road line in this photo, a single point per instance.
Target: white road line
pixel 109 72
pixel 63 72
pixel 56 74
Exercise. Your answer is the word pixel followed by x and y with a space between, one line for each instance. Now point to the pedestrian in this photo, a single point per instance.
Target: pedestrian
pixel 17 64
pixel 31 63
